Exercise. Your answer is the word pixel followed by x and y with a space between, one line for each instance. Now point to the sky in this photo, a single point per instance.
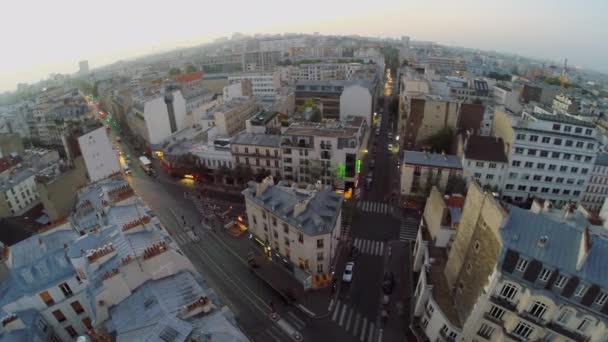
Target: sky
pixel 43 37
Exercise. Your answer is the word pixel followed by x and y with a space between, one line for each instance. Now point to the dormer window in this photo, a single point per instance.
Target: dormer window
pixel 580 290
pixel 522 264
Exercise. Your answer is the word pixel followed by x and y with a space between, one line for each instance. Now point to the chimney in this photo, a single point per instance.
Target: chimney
pixel 584 249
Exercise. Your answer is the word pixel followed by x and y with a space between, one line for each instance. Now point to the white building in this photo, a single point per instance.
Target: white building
pixel 230 117
pixel 300 226
pixel 420 168
pixel 237 90
pixel 156 117
pixel 597 186
pixel 549 155
pixel 330 153
pixel 18 192
pixel 99 157
pixel 357 99
pixel 262 83
pixel 83 68
pixel 260 152
pixel 484 159
pixel 507 97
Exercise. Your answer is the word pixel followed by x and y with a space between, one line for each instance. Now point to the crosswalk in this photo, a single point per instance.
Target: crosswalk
pixel 184 238
pixel 353 322
pixel 408 229
pixel 373 207
pixel 371 247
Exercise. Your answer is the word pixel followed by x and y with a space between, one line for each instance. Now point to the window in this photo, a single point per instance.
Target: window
pixel 534 138
pixel 580 290
pixel 492 165
pixel 544 190
pixel 59 316
pixel 569 143
pixel 65 288
pixel 319 268
pixel 588 131
pixel 584 324
pixel 508 291
pixel 265 227
pixel 567 128
pixel 71 331
pixel 570 181
pixel 521 188
pixel 286 241
pixel 576 193
pixel 564 316
pixel 540 166
pixel 497 312
pixel 489 176
pixel 301 237
pixel 87 323
pixel 546 140
pixel 519 150
pixel 512 175
pixel 516 163
pixel 559 180
pixel 533 188
pixel 285 229
pixel 509 186
pixel 479 164
pixel 523 329
pixel 320 256
pixel 46 298
pixel 485 331
pixel 538 309
pixel 537 177
pixel 477 175
pixel 444 330
pixel 544 275
pixel 574 169
pixel 528 164
pixel 555 154
pixel 584 171
pixel 578 157
pixel 555 191
pixel 561 281
pixel 578 130
pixel 521 136
pixel 78 309
pixel 522 264
pixel 601 298
pixel 557 142
pixel 531 152
pixel 552 167
pixel 319 243
pixel 544 153
pixel 557 127
pixel 566 192
pixel 590 146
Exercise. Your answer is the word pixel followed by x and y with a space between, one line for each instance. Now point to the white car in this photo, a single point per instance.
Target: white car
pixel 390 147
pixel 348 272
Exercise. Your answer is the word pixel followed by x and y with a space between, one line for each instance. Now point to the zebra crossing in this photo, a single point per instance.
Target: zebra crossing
pixel 184 238
pixel 408 230
pixel 353 322
pixel 373 207
pixel 371 247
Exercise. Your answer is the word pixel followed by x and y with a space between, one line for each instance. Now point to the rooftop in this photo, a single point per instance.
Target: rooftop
pixel 431 159
pixel 602 159
pixel 263 117
pixel 312 212
pixel 485 148
pixel 268 140
pixel 333 130
pixel 561 118
pixel 16 178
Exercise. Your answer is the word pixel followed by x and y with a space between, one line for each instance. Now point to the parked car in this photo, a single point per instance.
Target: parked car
pixel 348 272
pixel 388 282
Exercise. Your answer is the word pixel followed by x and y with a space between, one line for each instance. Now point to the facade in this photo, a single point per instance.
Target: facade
pixel 260 152
pixel 447 65
pixel 328 153
pixel 597 186
pixel 230 118
pixel 468 91
pixel 264 122
pixel 484 159
pixel 83 68
pixel 260 60
pixel 549 155
pixel 18 192
pixel 507 97
pixel 425 116
pixel 10 143
pixel 338 99
pixel 99 157
pixel 420 171
pixel 237 90
pixel 156 117
pixel 300 226
pixel 564 104
pixel 262 83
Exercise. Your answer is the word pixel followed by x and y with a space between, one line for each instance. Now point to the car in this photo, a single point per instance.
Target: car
pixel 377 132
pixel 390 136
pixel 390 147
pixel 372 164
pixel 388 282
pixel 347 277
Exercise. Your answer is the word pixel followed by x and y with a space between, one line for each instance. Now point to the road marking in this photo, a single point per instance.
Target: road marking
pixel 335 315
pixel 350 315
pixel 273 335
pixel 357 243
pixel 363 328
pixel 298 322
pixel 356 324
pixel 379 336
pixel 371 331
pixel 344 309
pixel 381 248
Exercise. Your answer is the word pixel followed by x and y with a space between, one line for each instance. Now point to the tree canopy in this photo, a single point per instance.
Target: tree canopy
pixel 441 141
pixel 175 71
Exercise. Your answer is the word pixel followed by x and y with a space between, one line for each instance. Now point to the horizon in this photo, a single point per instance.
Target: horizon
pixel 32 55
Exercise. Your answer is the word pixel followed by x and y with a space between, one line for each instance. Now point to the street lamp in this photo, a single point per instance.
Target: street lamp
pixel 397 138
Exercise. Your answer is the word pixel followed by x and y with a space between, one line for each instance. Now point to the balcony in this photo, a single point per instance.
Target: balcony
pixel 504 303
pixel 493 319
pixel 326 146
pixel 532 319
pixel 558 329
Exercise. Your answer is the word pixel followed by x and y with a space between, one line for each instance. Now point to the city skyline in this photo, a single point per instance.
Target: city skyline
pixel 535 32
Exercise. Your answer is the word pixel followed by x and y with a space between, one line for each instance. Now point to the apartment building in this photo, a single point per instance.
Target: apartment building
pixel 260 60
pixel 99 156
pixel 507 97
pixel 327 152
pixel 296 225
pixel 264 122
pixel 262 83
pixel 230 117
pixel 155 117
pixel 237 89
pixel 484 159
pixel 18 192
pixel 550 156
pixel 339 99
pixel 468 90
pixel 260 152
pixel 564 104
pixel 597 185
pixel 447 65
pixel 512 274
pixel 10 143
pixel 420 171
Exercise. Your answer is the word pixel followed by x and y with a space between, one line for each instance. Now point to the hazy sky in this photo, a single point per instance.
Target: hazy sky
pixel 41 37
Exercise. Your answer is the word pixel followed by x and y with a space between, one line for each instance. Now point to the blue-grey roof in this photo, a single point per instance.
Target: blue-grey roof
pixel 431 159
pixel 268 140
pixel 602 159
pixel 17 178
pixel 31 332
pixel 37 263
pixel 455 214
pixel 523 229
pixel 319 217
pixel 152 310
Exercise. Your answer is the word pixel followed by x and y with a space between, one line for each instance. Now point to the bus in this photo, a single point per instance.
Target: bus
pixel 146 164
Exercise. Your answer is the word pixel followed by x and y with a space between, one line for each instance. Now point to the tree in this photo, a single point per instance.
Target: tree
pixel 428 184
pixel 393 106
pixel 175 71
pixel 440 141
pixel 191 68
pixel 261 174
pixel 456 185
pixel 405 62
pixel 499 77
pixel 316 116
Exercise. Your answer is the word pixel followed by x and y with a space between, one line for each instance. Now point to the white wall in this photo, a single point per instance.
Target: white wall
pixel 157 117
pixel 232 91
pixel 356 100
pixel 99 157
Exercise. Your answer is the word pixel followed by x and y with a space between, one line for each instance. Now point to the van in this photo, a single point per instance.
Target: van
pixel 126 169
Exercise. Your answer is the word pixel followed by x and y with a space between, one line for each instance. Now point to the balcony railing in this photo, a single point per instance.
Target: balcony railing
pixel 493 319
pixel 504 303
pixel 565 332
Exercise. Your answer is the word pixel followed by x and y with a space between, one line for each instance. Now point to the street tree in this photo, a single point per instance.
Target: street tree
pixel 440 141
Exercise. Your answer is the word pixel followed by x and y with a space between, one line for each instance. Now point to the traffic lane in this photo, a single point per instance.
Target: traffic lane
pixel 363 293
pixel 373 226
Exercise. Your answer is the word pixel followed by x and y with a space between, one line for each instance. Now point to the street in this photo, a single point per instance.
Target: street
pixel 355 314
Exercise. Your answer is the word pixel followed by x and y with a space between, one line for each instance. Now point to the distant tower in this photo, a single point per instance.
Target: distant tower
pixel 84 68
pixel 565 67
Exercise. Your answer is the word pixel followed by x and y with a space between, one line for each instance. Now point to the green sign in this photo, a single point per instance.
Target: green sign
pixel 341 171
pixel 358 166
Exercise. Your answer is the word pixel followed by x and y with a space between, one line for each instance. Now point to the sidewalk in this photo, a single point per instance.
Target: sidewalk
pixel 314 303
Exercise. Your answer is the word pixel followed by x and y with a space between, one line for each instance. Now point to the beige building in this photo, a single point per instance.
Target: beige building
pixel 513 275
pixel 297 226
pixel 420 171
pixel 10 143
pixel 231 116
pixel 260 152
